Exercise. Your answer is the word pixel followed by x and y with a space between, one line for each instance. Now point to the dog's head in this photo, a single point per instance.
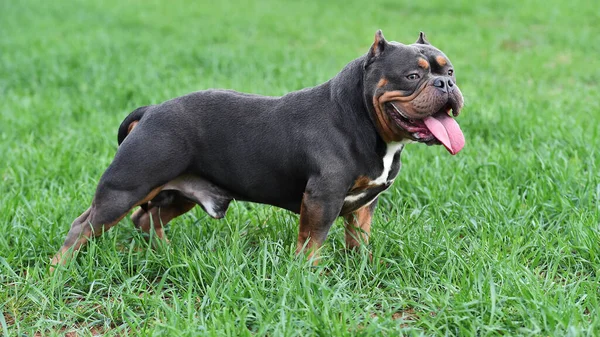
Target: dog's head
pixel 412 94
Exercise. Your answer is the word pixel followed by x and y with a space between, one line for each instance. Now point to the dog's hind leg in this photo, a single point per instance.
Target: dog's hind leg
pixel 166 206
pixel 108 208
pixel 136 175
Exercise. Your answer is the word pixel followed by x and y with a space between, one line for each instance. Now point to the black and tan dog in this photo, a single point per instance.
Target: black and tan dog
pixel 323 152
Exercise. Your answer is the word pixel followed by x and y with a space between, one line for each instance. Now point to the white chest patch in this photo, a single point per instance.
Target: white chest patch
pixel 354 197
pixel 379 184
pixel 388 158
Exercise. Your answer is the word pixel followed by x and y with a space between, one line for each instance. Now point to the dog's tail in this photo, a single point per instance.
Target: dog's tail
pixel 130 122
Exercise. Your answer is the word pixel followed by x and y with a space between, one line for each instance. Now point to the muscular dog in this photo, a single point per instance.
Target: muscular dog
pixel 323 152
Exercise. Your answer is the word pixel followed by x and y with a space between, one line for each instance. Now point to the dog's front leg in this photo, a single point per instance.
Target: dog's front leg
pixel 358 226
pixel 321 205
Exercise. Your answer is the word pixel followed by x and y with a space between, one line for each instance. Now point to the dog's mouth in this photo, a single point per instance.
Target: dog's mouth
pixel 438 128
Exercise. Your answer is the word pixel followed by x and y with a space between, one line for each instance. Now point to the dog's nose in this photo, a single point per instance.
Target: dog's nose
pixel 444 83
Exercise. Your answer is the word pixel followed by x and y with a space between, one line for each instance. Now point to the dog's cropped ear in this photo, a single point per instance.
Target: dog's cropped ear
pixel 422 39
pixel 377 48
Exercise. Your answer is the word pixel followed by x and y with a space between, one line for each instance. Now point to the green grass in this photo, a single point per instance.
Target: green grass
pixel 502 239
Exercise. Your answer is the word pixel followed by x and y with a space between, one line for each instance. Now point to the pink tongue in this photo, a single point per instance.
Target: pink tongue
pixel 447 131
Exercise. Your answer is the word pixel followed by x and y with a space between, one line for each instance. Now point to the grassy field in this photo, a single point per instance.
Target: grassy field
pixel 502 239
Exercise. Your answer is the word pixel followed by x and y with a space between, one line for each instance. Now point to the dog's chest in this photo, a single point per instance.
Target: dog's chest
pixel 366 189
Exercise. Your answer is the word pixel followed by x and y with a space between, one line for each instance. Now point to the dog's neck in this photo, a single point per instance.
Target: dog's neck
pixel 347 86
pixel 348 90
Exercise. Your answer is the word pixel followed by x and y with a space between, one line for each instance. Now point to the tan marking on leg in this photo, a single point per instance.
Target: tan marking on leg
pixel 358 226
pixel 361 183
pixel 66 252
pixel 442 61
pixel 60 258
pixel 83 231
pixel 63 253
pixel 150 196
pixel 137 216
pixel 159 217
pixel 308 242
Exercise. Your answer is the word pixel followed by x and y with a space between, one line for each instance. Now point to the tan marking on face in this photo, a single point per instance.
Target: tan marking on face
pixel 423 63
pixel 397 95
pixel 131 126
pixel 442 61
pixel 382 82
pixel 386 130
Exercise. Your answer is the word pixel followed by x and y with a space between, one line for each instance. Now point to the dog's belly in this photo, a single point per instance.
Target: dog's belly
pixel 215 199
pixel 212 198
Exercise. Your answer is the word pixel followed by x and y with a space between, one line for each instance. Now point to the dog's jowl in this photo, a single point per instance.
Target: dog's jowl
pixel 323 152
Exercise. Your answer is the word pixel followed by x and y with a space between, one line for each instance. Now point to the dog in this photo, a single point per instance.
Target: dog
pixel 322 152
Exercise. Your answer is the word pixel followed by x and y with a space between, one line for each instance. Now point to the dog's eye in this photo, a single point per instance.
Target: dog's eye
pixel 413 76
pixel 450 72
